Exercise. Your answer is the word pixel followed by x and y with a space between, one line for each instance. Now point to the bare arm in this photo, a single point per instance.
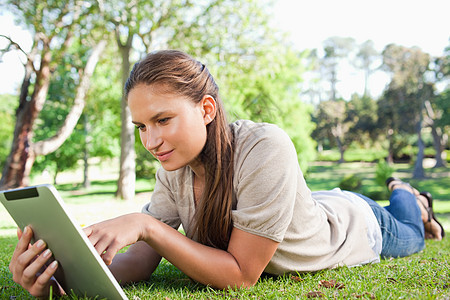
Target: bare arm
pixel 137 264
pixel 240 266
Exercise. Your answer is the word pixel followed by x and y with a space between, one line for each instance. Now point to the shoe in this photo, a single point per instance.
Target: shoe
pixel 430 211
pixel 400 182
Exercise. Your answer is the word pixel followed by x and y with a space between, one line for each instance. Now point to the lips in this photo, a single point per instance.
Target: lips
pixel 163 156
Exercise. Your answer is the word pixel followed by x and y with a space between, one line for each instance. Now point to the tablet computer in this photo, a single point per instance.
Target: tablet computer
pixel 80 267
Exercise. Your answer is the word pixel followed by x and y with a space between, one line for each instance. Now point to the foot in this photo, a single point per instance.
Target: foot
pixel 433 229
pixel 393 183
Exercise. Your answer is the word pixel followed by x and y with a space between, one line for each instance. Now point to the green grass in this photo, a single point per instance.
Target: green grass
pixel 98 191
pixel 350 155
pixel 425 275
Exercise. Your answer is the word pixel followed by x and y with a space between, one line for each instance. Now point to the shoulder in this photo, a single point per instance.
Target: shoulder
pixel 262 147
pixel 265 179
pixel 247 134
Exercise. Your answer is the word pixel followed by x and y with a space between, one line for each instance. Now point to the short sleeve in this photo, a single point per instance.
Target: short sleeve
pixel 266 170
pixel 162 205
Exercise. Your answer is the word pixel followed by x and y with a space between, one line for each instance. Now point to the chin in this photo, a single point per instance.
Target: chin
pixel 171 167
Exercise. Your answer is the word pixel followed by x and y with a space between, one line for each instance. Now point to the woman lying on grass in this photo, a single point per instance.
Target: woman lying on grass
pixel 239 193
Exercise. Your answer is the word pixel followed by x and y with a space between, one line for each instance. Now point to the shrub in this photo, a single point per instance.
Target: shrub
pixel 382 172
pixel 351 183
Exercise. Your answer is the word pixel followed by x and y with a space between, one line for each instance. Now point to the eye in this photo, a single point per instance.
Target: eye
pixel 163 121
pixel 140 127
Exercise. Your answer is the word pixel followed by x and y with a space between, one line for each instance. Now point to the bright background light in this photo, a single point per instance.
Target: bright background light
pixel 425 24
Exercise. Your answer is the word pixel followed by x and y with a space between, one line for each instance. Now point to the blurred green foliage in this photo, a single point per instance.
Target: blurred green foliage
pixel 383 171
pixel 261 77
pixel 351 182
pixel 8 104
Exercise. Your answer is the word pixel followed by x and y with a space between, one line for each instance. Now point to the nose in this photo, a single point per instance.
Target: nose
pixel 153 140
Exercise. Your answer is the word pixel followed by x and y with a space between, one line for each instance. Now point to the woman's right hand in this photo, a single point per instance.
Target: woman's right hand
pixel 28 265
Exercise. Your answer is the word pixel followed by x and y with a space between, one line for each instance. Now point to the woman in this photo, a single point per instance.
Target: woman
pixel 239 193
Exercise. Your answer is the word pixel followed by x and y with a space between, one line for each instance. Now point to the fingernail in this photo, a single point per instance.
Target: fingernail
pixel 54 264
pixel 40 243
pixel 47 253
pixel 25 230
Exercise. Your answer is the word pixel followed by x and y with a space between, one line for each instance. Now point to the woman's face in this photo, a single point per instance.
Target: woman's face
pixel 171 127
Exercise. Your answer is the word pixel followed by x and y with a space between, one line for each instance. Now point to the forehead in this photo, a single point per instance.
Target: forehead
pixel 145 95
pixel 147 100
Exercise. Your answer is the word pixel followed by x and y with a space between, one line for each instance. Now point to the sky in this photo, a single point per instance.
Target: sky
pixel 425 24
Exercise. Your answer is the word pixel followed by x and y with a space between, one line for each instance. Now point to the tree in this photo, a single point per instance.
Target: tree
pixel 335 48
pixel 438 108
pixel 331 122
pixel 213 29
pixel 361 113
pixel 366 57
pixel 312 84
pixel 346 122
pixel 258 73
pixel 96 133
pixel 407 93
pixel 53 25
pixel 437 117
pixel 159 24
pixel 272 94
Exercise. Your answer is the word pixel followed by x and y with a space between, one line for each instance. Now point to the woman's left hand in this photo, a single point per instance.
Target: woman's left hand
pixel 108 237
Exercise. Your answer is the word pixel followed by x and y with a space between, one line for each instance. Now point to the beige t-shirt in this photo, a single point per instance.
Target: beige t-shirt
pixel 271 199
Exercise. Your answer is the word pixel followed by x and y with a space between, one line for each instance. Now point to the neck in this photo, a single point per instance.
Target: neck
pixel 199 169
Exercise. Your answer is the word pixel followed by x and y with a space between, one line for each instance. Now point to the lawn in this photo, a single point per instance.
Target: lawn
pixel 425 275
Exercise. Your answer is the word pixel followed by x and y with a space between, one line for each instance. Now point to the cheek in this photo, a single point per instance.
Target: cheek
pixel 172 131
pixel 197 135
pixel 143 137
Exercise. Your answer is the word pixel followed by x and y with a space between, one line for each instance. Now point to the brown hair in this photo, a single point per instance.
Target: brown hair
pixel 185 76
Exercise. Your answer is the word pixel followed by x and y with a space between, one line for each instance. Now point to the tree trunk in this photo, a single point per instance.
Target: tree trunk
pixel 23 152
pixel 18 164
pixel 390 158
pixel 438 138
pixel 341 149
pixel 127 176
pixel 439 146
pixel 320 146
pixel 337 132
pixel 418 172
pixel 87 140
pixel 333 82
pixel 55 176
pixel 366 82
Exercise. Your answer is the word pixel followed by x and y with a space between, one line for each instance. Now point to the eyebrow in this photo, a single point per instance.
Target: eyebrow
pixel 154 118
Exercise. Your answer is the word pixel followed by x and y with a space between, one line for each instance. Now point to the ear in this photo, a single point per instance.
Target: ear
pixel 208 109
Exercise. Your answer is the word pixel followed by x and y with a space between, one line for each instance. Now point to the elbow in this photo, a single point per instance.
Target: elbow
pixel 248 284
pixel 250 281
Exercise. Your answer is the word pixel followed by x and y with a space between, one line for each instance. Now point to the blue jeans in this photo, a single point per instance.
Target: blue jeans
pixel 401 224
